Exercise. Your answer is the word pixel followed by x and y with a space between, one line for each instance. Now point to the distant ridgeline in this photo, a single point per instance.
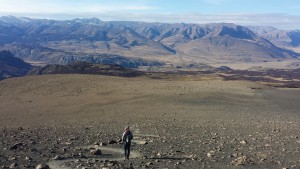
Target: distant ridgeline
pixel 86 68
pixel 11 66
pixel 109 59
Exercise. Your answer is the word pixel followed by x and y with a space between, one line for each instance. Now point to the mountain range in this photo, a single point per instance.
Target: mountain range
pixel 282 38
pixel 144 44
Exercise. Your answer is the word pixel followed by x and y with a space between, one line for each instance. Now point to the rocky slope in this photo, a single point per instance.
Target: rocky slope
pixel 49 41
pixel 11 66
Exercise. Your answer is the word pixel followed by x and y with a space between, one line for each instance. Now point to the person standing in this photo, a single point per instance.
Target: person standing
pixel 126 140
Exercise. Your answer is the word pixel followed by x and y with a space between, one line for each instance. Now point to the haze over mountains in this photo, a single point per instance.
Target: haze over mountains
pixel 138 43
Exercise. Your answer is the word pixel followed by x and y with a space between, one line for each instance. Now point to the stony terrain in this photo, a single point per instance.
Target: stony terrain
pixel 203 122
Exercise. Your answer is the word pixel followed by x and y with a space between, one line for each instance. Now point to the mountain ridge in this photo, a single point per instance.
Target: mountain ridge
pixel 50 40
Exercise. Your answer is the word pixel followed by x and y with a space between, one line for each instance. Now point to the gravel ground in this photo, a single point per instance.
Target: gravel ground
pixel 61 120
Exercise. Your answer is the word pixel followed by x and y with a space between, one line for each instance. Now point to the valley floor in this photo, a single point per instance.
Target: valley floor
pixel 179 123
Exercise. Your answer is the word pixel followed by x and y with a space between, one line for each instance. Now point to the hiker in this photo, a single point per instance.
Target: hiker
pixel 126 140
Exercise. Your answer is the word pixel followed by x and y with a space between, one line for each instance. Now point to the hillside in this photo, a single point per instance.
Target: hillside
pixel 85 68
pixel 11 66
pixel 145 44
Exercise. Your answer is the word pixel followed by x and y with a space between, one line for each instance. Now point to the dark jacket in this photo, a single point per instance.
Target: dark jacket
pixel 127 137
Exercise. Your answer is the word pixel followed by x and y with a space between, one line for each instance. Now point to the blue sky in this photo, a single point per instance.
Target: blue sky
pixel 282 14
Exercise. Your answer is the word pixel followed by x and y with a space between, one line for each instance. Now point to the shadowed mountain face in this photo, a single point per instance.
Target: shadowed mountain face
pixel 59 42
pixel 11 66
pixel 85 68
pixel 238 32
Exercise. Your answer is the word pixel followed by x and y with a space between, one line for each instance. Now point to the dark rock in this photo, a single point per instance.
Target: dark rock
pixel 96 152
pixel 16 146
pixel 81 155
pixel 178 163
pixel 32 142
pixel 28 158
pixel 103 144
pixel 112 142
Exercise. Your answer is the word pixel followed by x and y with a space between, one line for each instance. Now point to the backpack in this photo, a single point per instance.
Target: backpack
pixel 128 137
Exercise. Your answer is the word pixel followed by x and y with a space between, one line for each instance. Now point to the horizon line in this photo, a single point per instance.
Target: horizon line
pixel 85 16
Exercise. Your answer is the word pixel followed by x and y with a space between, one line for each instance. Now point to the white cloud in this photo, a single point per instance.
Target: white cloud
pixel 55 6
